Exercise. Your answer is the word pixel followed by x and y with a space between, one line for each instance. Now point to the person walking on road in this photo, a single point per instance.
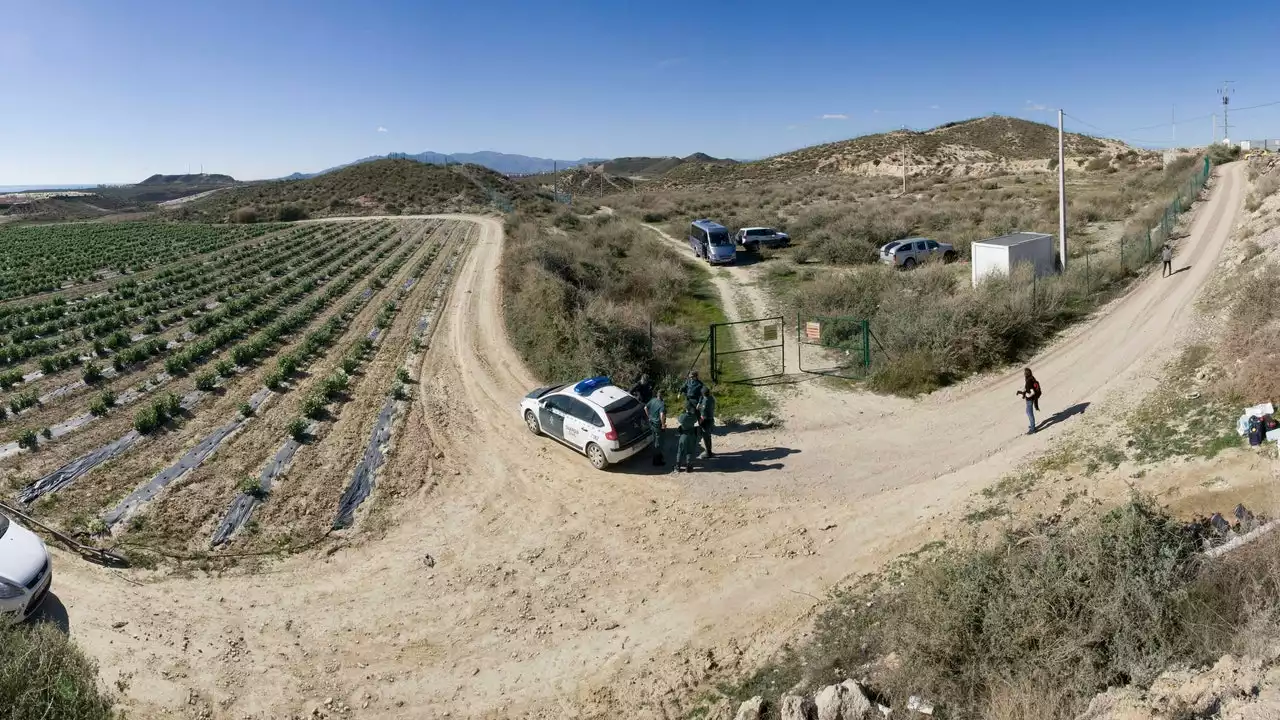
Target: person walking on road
pixel 687 446
pixel 657 412
pixel 1166 255
pixel 643 390
pixel 707 418
pixel 1031 394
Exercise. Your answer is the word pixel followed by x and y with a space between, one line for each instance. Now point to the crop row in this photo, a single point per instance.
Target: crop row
pixel 43 258
pixel 244 314
pixel 98 317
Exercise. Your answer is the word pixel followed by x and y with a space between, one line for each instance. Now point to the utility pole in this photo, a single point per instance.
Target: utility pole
pixel 555 181
pixel 1062 197
pixel 1225 94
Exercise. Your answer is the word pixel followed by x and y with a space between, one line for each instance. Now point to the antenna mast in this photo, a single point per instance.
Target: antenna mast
pixel 1225 94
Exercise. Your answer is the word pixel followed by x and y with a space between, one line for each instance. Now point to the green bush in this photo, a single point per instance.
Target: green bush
pixel 207 381
pixel 273 380
pixel 147 419
pixel 44 676
pixel 244 215
pixel 92 373
pixel 27 439
pixel 313 406
pixel 246 410
pixel 291 213
pixel 297 429
pixel 225 368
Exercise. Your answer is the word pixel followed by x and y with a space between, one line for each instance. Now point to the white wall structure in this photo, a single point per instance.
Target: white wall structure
pixel 998 256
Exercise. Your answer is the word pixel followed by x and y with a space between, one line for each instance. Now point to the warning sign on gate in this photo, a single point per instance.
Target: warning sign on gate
pixel 813 330
pixel 770 332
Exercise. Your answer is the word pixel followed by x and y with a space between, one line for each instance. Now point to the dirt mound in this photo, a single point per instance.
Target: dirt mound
pixel 1233 689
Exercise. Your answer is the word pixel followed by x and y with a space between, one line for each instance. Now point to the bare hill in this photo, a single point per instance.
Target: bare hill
pixel 981 146
pixel 202 179
pixel 373 188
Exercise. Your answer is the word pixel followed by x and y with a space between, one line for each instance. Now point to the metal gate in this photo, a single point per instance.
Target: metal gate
pixel 845 344
pixel 747 350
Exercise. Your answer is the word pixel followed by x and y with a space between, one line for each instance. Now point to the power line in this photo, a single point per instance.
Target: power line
pixel 1116 136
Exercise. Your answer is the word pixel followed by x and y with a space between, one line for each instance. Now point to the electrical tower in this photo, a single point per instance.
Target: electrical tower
pixel 1225 94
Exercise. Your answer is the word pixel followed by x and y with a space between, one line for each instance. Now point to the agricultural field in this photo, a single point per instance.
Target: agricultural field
pixel 167 387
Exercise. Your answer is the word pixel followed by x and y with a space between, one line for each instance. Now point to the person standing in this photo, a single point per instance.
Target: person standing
pixel 1031 394
pixel 657 412
pixel 1166 255
pixel 707 418
pixel 693 388
pixel 687 446
pixel 643 390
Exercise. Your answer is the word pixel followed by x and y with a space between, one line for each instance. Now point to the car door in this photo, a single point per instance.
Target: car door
pixel 552 414
pixel 934 248
pixel 921 251
pixel 578 423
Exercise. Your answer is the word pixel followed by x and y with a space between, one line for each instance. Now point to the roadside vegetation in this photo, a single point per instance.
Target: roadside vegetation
pixel 44 676
pixel 1037 623
pixel 602 295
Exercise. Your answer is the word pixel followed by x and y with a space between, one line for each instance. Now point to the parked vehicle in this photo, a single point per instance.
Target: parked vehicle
pixel 594 417
pixel 710 241
pixel 909 252
pixel 754 238
pixel 25 571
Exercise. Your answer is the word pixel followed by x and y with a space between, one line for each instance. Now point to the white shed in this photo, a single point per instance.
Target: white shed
pixel 1000 255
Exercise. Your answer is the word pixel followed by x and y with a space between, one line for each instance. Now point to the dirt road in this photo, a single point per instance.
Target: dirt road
pixel 513 580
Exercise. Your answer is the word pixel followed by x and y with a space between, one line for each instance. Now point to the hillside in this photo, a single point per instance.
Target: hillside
pixel 656 166
pixel 201 179
pixel 581 181
pixel 373 188
pixel 981 146
pixel 505 163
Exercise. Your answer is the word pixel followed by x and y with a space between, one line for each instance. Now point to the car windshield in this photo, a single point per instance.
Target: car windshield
pixel 719 237
pixel 890 246
pixel 4 525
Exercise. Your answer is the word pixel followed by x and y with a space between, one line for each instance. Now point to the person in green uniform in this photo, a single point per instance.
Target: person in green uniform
pixel 687 447
pixel 692 389
pixel 706 418
pixel 657 412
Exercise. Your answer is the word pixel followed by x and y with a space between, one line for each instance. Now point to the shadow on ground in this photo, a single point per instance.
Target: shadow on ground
pixel 1061 415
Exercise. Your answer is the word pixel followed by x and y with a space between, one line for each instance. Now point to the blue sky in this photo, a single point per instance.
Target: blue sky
pixel 99 91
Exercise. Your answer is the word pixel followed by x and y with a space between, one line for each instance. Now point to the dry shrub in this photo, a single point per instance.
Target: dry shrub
pixel 578 303
pixel 43 675
pixel 1038 623
pixel 1251 342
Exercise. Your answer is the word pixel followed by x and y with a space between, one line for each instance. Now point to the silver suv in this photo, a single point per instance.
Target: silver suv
pixel 909 252
pixel 753 238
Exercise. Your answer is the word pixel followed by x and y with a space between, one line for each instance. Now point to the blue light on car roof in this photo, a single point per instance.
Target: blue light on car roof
pixel 590 385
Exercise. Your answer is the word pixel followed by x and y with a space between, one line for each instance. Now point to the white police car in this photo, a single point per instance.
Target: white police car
pixel 594 417
pixel 25 571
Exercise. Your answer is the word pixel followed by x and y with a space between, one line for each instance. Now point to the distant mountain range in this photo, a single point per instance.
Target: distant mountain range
pixel 504 163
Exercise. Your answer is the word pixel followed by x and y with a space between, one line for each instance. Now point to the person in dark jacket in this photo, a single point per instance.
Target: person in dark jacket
pixel 693 389
pixel 707 418
pixel 687 445
pixel 643 390
pixel 657 412
pixel 1031 394
pixel 1166 255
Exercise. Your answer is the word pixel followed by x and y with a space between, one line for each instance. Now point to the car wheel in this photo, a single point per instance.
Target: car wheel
pixel 908 263
pixel 950 257
pixel 531 421
pixel 596 456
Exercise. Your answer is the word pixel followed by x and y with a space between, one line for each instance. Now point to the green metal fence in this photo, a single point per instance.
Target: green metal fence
pixel 1138 249
pixel 845 344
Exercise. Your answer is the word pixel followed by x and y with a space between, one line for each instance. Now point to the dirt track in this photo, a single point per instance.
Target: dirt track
pixel 511 579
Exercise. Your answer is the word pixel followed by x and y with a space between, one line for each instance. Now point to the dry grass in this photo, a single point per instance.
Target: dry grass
pixel 1036 625
pixel 43 676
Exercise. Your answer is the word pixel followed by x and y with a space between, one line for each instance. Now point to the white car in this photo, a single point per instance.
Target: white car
pixel 753 238
pixel 25 571
pixel 594 417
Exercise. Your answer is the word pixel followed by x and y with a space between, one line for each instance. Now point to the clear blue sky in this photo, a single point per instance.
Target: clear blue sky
pixel 115 90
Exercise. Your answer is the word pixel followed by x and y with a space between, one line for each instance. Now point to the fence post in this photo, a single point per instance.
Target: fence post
pixel 711 330
pixel 866 347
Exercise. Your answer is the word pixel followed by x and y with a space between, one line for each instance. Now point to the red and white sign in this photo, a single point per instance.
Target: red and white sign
pixel 813 330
